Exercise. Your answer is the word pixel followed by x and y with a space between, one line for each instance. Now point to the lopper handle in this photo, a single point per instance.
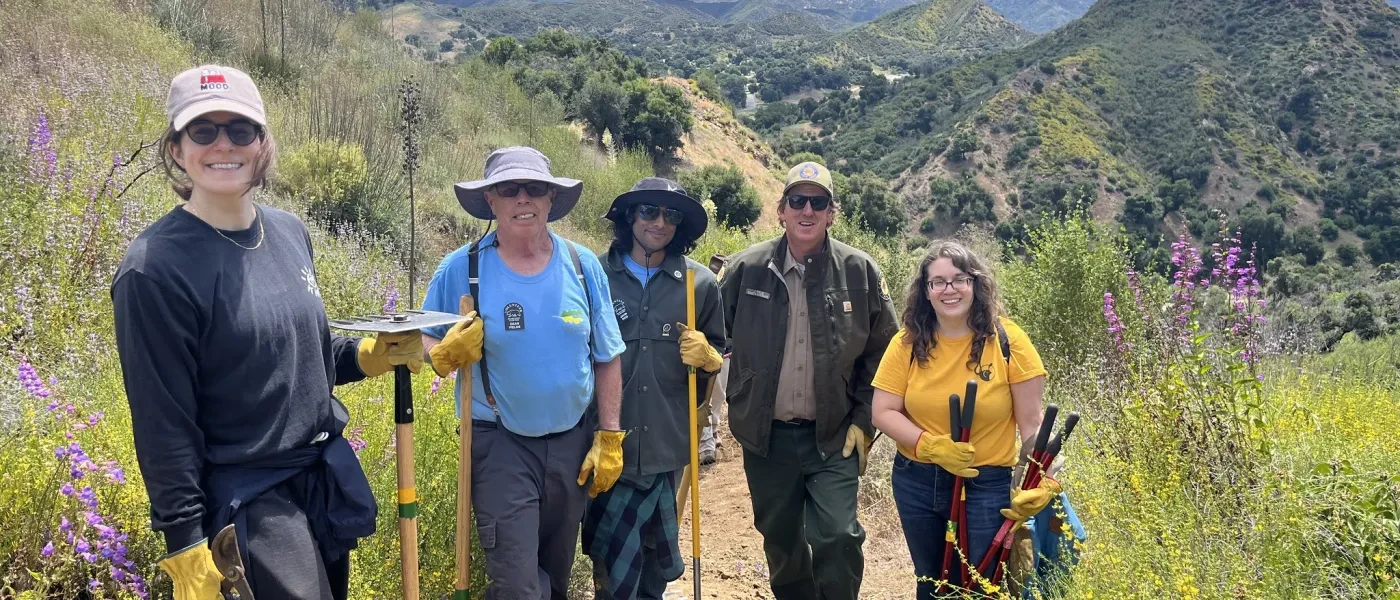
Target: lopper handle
pixel 969 409
pixel 1054 448
pixel 955 418
pixel 1047 426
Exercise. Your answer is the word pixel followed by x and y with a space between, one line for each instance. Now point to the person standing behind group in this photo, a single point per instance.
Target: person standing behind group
pixel 630 531
pixel 808 319
pixel 713 405
pixel 953 330
pixel 544 340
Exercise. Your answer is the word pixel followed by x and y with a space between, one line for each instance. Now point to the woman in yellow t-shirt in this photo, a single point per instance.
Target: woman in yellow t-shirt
pixel 950 334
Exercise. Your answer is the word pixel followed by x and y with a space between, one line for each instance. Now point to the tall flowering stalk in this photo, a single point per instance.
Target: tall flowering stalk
pixel 1185 282
pixel 1115 325
pixel 90 540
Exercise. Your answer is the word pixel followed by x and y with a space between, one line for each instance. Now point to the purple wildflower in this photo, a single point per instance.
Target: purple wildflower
pixel 1115 326
pixel 391 300
pixel 43 157
pixel 31 381
pixel 357 443
pixel 66 490
pixel 48 550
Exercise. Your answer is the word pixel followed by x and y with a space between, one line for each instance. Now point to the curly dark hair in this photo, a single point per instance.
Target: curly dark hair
pixel 921 322
pixel 622 237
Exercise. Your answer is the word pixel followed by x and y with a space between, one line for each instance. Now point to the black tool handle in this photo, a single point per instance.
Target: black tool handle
pixel 968 409
pixel 954 418
pixel 1070 423
pixel 1047 426
pixel 403 395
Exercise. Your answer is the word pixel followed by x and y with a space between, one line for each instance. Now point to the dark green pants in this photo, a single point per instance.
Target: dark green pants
pixel 805 508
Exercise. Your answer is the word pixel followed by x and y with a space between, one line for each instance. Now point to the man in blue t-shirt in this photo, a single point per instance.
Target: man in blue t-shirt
pixel 543 339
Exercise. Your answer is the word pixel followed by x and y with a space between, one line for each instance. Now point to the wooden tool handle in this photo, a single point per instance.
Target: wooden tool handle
pixel 464 475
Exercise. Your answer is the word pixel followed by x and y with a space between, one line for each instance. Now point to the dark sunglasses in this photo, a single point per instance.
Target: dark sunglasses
pixel 648 212
pixel 535 189
pixel 797 202
pixel 240 132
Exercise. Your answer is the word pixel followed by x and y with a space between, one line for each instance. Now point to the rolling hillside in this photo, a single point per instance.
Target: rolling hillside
pixel 1279 114
pixel 933 34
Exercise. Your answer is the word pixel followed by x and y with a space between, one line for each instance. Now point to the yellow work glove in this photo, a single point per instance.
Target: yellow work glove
pixel 604 462
pixel 460 347
pixel 1026 503
pixel 856 440
pixel 193 572
pixel 380 354
pixel 941 450
pixel 696 350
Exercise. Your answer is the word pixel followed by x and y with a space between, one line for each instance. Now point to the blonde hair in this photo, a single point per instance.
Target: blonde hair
pixel 184 187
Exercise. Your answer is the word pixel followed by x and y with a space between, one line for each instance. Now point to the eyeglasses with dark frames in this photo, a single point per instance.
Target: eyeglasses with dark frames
pixel 961 284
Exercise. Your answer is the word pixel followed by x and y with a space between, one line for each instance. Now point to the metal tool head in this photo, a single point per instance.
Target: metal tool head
pixel 230 565
pixel 397 322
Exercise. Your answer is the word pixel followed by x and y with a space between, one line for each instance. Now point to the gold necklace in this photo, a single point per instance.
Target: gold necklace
pixel 261 234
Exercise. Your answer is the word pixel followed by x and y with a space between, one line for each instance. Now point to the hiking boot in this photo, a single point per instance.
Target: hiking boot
pixel 707 457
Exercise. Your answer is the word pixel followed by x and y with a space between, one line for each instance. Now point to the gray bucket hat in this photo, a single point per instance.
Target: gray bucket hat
pixel 509 164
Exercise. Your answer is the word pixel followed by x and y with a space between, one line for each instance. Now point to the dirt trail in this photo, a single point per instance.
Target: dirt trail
pixel 732 562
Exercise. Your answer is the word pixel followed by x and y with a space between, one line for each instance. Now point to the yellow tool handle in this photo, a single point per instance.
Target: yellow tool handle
pixel 694 441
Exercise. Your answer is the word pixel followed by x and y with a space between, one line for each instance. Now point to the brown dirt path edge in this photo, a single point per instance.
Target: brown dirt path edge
pixel 732 563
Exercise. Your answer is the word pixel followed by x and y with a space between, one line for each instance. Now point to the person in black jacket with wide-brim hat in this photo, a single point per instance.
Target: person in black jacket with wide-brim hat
pixel 630 531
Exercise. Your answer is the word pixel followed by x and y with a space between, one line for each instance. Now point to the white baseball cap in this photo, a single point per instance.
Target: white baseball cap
pixel 211 88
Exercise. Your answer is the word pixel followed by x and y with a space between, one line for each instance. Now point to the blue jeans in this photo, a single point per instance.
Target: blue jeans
pixel 923 494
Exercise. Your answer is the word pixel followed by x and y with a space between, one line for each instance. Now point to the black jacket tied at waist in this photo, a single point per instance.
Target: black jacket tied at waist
pixel 325 481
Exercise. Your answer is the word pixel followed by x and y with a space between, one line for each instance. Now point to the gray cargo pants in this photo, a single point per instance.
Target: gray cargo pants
pixel 528 509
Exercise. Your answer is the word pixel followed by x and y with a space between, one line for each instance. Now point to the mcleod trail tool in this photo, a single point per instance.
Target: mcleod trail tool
pixel 694 443
pixel 229 562
pixel 1047 449
pixel 960 428
pixel 399 322
pixel 464 476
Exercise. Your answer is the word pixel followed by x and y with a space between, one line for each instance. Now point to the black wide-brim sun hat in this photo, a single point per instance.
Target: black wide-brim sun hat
pixel 518 163
pixel 667 194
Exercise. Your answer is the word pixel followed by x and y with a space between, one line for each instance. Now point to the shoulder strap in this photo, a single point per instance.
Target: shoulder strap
pixel 1004 342
pixel 473 261
pixel 588 310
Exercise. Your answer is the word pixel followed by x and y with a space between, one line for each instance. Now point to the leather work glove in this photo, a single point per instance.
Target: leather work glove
pixel 941 450
pixel 856 440
pixel 697 352
pixel 460 347
pixel 380 354
pixel 193 572
pixel 604 461
pixel 1026 503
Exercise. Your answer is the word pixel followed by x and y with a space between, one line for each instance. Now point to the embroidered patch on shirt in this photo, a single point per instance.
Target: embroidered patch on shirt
pixel 759 293
pixel 620 309
pixel 515 317
pixel 572 316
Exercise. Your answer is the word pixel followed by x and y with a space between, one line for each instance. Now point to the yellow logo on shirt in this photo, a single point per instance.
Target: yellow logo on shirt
pixel 572 316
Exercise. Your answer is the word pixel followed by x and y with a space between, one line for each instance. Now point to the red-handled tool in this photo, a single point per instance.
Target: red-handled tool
pixel 955 537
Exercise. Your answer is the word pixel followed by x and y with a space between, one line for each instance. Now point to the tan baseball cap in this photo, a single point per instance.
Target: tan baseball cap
pixel 809 172
pixel 211 88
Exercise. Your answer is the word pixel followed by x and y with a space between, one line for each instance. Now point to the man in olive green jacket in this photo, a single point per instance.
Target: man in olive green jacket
pixel 808 320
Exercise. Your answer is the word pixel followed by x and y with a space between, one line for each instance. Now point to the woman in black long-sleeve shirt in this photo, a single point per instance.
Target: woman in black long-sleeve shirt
pixel 229 362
